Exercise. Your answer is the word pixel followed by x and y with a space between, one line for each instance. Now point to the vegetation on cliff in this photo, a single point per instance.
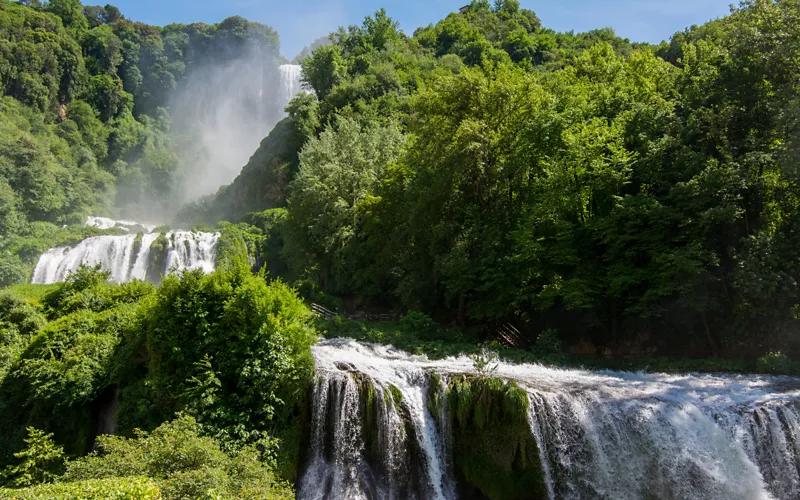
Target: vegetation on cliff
pixel 85 124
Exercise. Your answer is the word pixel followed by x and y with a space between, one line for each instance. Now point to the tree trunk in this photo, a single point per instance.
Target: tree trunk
pixel 712 344
pixel 462 310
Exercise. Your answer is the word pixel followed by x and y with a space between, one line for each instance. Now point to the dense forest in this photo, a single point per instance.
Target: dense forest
pixel 86 126
pixel 605 197
pixel 628 196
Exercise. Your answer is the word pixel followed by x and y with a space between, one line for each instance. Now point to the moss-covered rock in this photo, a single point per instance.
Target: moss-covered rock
pixel 157 259
pixel 494 452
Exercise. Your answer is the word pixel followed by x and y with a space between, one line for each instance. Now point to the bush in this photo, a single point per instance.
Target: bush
pixel 233 349
pixel 183 464
pixel 88 288
pixel 485 362
pixel 19 322
pixel 548 345
pixel 128 488
pixel 69 361
pixel 311 292
pixel 415 321
pixel 775 363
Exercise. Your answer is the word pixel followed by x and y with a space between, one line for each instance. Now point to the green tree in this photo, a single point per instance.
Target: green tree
pixel 334 189
pixel 71 13
pixel 41 461
pixel 323 69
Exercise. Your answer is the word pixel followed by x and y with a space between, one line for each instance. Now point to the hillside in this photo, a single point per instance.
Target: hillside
pixel 633 198
pixel 88 117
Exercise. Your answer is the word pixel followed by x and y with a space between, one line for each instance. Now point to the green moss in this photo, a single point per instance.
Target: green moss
pixel 287 463
pixel 494 451
pixel 137 243
pixel 368 407
pixel 396 395
pixel 137 246
pixel 435 399
pixel 157 258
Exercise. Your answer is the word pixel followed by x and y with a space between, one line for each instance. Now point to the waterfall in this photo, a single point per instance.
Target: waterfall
pixel 127 256
pixel 125 225
pixel 290 84
pixel 343 463
pixel 599 435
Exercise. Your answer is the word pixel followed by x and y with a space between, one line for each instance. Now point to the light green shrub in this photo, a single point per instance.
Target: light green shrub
pixel 124 488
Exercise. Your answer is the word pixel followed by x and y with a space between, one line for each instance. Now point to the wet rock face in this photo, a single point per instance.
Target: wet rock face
pixel 345 366
pixel 363 442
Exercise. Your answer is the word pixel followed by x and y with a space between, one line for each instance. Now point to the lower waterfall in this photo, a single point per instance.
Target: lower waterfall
pixel 129 256
pixel 389 425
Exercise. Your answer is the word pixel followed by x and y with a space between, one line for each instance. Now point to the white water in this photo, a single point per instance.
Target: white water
pixel 290 81
pixel 125 225
pixel 123 257
pixel 605 435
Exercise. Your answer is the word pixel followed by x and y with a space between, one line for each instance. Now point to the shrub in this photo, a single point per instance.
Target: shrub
pixel 88 288
pixel 485 362
pixel 128 488
pixel 548 344
pixel 254 338
pixel 182 463
pixel 415 321
pixel 69 361
pixel 775 363
pixel 19 322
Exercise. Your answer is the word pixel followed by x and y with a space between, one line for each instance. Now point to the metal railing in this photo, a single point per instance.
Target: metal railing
pixel 510 336
pixel 322 312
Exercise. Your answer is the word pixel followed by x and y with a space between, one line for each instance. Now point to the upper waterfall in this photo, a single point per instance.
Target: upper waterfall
pixel 129 256
pixel 290 81
pixel 608 435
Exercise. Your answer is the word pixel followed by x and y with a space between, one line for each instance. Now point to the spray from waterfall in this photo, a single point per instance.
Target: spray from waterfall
pixel 221 114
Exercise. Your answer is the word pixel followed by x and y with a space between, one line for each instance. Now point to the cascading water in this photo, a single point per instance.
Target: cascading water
pixel 403 459
pixel 128 256
pixel 290 81
pixel 600 435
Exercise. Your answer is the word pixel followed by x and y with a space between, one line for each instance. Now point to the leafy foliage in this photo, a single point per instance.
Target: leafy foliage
pixel 182 463
pixel 233 349
pixel 129 488
pixel 41 461
pixel 331 197
pixel 229 348
pixel 607 189
pixel 84 124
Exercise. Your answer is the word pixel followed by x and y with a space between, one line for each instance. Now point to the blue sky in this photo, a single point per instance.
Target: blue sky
pixel 299 22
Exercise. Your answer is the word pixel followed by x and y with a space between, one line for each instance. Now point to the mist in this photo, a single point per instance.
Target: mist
pixel 220 114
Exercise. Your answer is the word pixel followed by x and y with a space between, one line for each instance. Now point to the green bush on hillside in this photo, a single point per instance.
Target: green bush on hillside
pixel 127 488
pixel 183 463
